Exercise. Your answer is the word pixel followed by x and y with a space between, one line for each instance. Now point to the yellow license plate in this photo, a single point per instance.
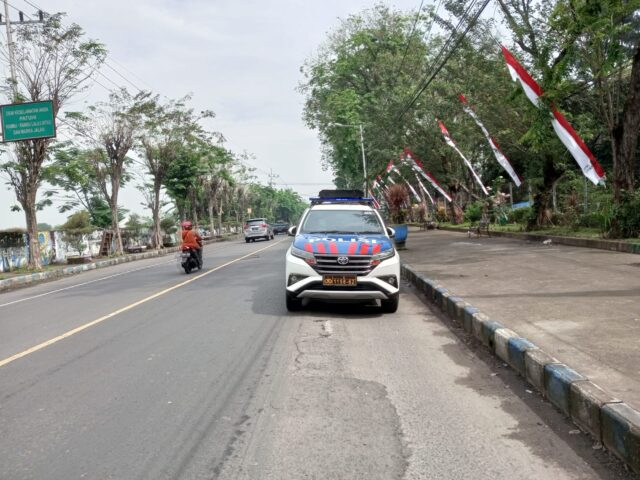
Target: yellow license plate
pixel 339 280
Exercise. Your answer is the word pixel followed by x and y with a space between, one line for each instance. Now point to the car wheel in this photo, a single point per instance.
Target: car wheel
pixel 293 304
pixel 391 305
pixel 246 240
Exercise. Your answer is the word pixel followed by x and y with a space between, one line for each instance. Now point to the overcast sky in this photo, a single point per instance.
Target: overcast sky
pixel 241 59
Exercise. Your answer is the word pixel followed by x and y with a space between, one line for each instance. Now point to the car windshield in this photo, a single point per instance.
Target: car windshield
pixel 256 222
pixel 342 221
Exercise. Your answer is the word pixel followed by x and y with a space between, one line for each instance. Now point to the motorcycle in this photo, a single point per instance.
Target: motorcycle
pixel 189 260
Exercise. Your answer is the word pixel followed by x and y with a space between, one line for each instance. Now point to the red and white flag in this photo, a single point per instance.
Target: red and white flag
pixel 424 189
pixel 392 168
pixel 567 135
pixel 449 141
pixel 419 167
pixel 502 159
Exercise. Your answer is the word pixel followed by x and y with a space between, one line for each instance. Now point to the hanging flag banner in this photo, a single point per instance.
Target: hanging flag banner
pixel 424 189
pixel 381 183
pixel 392 168
pixel 419 167
pixel 449 141
pixel 376 204
pixel 567 135
pixel 500 157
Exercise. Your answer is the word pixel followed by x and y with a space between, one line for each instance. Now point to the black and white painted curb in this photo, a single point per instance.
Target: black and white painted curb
pixel 607 419
pixel 33 278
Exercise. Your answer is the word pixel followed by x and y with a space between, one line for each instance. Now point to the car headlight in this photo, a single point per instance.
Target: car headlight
pixel 303 254
pixel 379 257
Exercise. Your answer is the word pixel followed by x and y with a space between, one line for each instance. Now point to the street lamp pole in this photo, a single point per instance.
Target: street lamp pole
pixel 364 159
pixel 364 162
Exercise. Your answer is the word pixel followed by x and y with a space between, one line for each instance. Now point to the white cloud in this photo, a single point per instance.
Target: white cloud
pixel 241 59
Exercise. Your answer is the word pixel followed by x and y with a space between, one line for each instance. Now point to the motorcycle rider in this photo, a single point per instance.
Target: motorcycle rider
pixel 191 239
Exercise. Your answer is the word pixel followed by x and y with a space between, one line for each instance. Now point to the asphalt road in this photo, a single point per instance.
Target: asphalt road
pixel 141 372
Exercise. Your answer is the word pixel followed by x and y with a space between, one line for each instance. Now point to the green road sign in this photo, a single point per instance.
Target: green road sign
pixel 27 121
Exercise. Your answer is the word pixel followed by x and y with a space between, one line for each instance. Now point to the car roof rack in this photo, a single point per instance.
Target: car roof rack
pixel 354 197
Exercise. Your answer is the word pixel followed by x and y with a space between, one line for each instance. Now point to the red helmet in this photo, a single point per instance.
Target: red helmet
pixel 187 225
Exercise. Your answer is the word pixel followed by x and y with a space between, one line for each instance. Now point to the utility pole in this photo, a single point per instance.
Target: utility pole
pixel 12 60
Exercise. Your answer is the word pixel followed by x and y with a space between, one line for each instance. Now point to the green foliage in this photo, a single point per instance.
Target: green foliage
pixel 624 218
pixel 75 228
pixel 79 222
pixel 521 215
pixel 473 212
pixel 275 204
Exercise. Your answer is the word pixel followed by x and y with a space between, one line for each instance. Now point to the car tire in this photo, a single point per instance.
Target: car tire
pixel 246 240
pixel 293 304
pixel 391 305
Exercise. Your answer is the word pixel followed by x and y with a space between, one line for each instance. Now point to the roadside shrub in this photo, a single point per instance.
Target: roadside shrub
pixel 521 215
pixel 441 214
pixel 473 212
pixel 590 220
pixel 624 219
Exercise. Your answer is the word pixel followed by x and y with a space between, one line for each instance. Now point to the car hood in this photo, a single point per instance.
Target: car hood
pixel 343 244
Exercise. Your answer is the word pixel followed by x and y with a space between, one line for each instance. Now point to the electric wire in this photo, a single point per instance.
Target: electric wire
pixel 446 58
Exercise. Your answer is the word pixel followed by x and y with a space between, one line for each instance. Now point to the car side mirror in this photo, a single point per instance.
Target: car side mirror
pixel 292 231
pixel 391 232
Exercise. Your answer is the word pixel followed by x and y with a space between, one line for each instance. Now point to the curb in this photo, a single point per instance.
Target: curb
pixel 608 420
pixel 600 244
pixel 35 278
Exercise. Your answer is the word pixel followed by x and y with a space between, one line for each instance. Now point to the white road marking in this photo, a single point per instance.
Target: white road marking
pixel 82 284
pixel 51 341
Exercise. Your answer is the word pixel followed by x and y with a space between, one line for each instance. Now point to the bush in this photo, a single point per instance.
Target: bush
pixel 624 221
pixel 521 215
pixel 473 212
pixel 441 214
pixel 590 220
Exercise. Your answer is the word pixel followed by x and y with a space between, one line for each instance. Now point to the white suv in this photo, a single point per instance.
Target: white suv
pixel 342 252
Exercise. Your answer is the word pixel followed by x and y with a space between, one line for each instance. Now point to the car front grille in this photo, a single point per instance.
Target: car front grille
pixel 328 265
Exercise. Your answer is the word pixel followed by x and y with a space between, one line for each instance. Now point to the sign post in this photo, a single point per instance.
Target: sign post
pixel 27 121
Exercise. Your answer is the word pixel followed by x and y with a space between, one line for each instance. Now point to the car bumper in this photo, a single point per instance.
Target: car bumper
pixel 370 287
pixel 256 234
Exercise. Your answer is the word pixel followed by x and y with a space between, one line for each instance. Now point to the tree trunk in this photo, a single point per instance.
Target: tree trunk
pixel 219 210
pixel 32 231
pixel 211 222
pixel 114 217
pixel 625 135
pixel 156 238
pixel 542 199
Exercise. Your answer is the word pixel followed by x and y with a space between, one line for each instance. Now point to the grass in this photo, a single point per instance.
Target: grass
pixel 26 271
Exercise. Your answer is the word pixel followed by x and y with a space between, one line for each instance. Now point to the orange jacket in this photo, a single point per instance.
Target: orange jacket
pixel 191 239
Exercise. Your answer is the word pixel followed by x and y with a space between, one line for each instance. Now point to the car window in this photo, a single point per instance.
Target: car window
pixel 342 221
pixel 256 222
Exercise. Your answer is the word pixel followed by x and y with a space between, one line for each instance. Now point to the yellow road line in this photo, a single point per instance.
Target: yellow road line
pixel 124 309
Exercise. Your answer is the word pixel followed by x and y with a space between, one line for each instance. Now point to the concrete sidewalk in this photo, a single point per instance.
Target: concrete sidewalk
pixel 579 305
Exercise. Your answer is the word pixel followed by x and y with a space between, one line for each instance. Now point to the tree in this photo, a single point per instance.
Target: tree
pixel 167 128
pixel 363 74
pixel 217 182
pixel 110 128
pixel 75 228
pixel 53 62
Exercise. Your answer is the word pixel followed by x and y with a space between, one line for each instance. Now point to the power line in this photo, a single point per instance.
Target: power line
pixel 446 58
pixel 106 63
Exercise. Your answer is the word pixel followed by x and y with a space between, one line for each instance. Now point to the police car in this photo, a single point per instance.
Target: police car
pixel 342 251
